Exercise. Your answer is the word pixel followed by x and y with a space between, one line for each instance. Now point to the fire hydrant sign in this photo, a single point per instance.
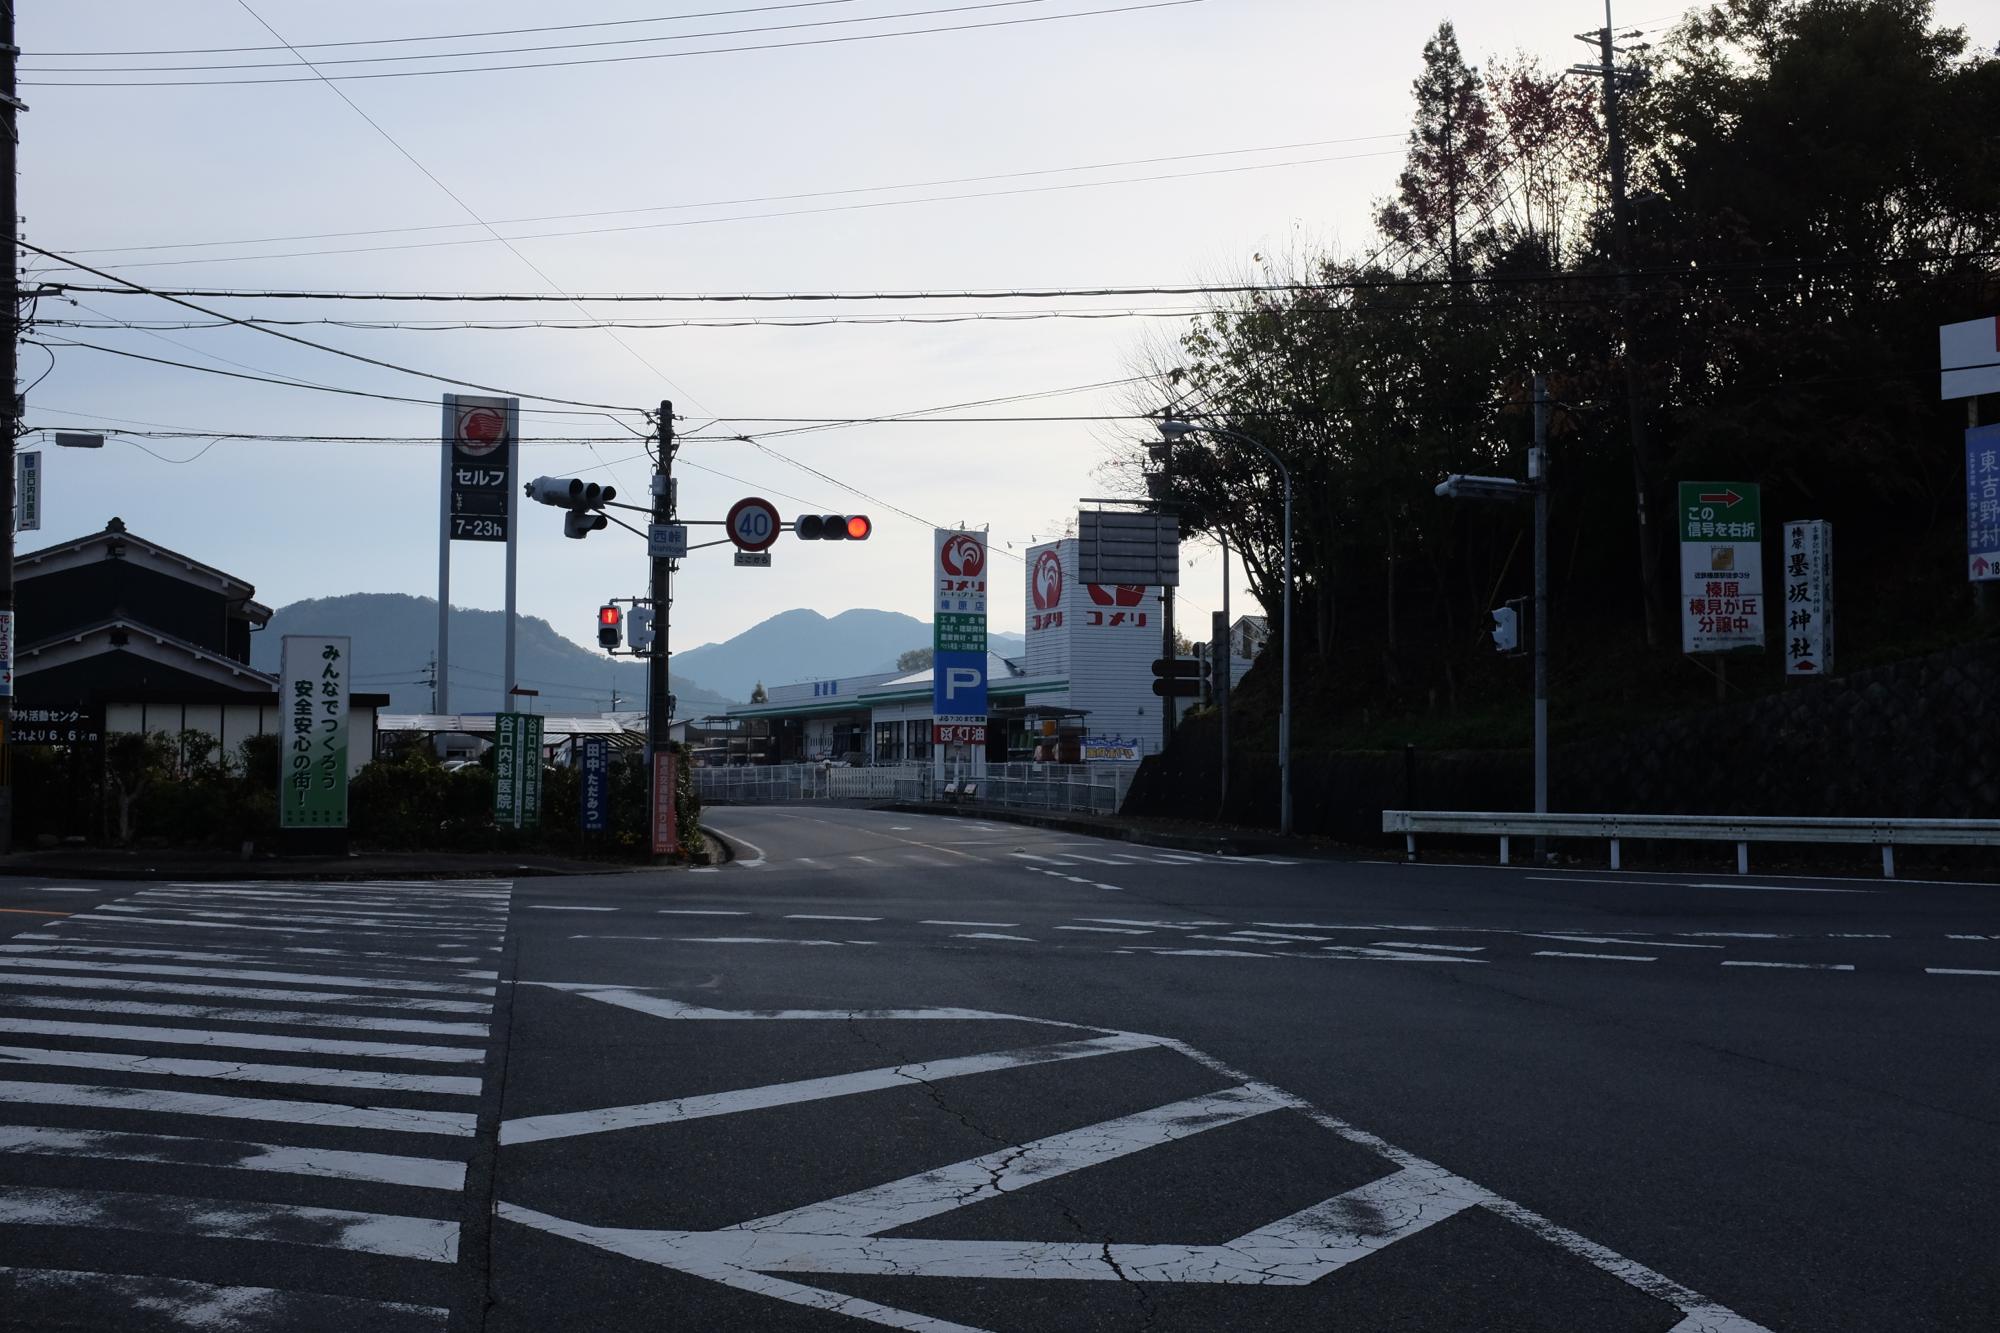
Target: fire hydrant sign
pixel 1982 503
pixel 1808 557
pixel 1722 567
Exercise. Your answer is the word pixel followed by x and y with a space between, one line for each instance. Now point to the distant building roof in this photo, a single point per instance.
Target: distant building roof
pixel 115 543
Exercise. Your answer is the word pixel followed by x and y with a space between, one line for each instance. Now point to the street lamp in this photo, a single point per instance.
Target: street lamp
pixel 1174 429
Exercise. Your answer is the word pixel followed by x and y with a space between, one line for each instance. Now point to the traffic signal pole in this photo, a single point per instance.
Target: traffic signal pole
pixel 659 707
pixel 10 406
pixel 1538 476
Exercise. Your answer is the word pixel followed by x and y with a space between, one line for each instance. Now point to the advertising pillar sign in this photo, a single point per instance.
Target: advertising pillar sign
pixel 481 439
pixel 593 814
pixel 958 641
pixel 28 491
pixel 666 827
pixel 1722 567
pixel 1808 602
pixel 517 770
pixel 1982 503
pixel 312 684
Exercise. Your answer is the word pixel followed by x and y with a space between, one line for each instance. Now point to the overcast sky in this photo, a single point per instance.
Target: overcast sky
pixel 112 169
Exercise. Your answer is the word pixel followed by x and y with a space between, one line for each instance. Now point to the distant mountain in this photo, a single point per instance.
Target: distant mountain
pixel 802 644
pixel 394 636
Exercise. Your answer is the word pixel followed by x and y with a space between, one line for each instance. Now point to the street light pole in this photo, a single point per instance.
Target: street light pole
pixel 1538 477
pixel 1174 429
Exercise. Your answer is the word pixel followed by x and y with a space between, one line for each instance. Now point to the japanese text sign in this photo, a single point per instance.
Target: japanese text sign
pixel 594 799
pixel 1808 605
pixel 1982 503
pixel 481 436
pixel 312 700
pixel 1722 567
pixel 517 770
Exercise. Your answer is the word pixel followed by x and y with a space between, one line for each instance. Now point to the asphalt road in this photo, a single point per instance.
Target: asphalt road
pixel 936 1074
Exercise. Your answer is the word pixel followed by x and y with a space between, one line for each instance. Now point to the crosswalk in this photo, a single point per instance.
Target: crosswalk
pixel 244 1106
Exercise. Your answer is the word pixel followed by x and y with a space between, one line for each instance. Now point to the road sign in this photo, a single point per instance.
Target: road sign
pixel 753 559
pixel 1969 358
pixel 481 442
pixel 1982 503
pixel 753 524
pixel 666 541
pixel 1808 555
pixel 1131 548
pixel 958 687
pixel 1722 567
pixel 28 490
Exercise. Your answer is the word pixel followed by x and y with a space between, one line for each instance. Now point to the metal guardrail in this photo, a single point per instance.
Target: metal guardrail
pixel 1739 829
pixel 1083 788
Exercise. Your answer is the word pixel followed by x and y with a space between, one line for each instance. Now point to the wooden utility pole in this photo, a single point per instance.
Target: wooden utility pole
pixel 10 405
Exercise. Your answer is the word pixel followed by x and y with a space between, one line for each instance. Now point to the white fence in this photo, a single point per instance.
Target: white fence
pixel 1086 788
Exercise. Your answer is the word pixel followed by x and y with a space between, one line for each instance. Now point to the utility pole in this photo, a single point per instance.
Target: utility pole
pixel 1168 704
pixel 1224 637
pixel 10 414
pixel 1643 468
pixel 1538 477
pixel 659 723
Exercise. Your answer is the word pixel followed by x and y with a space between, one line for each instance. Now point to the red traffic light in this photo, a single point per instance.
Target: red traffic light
pixel 858 527
pixel 833 527
pixel 609 616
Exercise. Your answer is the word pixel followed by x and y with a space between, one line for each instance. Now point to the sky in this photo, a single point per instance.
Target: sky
pixel 1244 128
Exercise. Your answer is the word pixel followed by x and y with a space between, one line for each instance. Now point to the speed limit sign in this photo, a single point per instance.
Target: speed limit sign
pixel 753 524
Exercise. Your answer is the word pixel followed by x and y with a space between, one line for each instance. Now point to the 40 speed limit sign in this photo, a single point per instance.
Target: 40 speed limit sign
pixel 753 524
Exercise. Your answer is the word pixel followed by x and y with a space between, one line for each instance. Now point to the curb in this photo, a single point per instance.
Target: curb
pixel 257 872
pixel 1224 844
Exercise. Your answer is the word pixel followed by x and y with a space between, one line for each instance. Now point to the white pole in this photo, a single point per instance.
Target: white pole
pixel 444 556
pixel 513 413
pixel 1285 707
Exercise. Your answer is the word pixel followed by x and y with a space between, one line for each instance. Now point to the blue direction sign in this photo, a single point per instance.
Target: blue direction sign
pixel 1982 503
pixel 958 687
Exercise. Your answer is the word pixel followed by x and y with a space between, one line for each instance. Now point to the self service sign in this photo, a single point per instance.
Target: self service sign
pixel 1722 567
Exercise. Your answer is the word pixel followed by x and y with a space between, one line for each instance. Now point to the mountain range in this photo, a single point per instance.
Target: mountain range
pixel 394 636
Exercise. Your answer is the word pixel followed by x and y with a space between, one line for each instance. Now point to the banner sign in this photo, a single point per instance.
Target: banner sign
pixel 517 770
pixel 957 733
pixel 28 491
pixel 595 800
pixel 1809 598
pixel 481 435
pixel 61 724
pixel 6 654
pixel 958 637
pixel 312 685
pixel 1982 503
pixel 1722 567
pixel 666 828
pixel 1116 749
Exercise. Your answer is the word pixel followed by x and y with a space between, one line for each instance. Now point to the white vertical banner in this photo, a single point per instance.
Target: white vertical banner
pixel 28 491
pixel 1808 556
pixel 312 700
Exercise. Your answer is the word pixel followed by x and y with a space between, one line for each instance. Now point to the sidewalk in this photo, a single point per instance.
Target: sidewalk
pixel 1184 835
pixel 202 864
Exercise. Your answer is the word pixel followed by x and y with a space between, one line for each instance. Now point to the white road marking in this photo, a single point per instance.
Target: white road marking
pixel 998 925
pixel 989 935
pixel 222 1014
pixel 1449 948
pixel 124 921
pixel 1775 888
pixel 1210 953
pixel 1387 955
pixel 1276 935
pixel 233 1219
pixel 563 907
pixel 1110 888
pixel 867 860
pixel 913 1199
pixel 1891 937
pixel 347 959
pixel 754 861
pixel 94 967
pixel 1730 934
pixel 1962 972
pixel 253 1041
pixel 457 1124
pixel 1606 957
pixel 33 891
pixel 1031 856
pixel 698 911
pixel 1096 860
pixel 1153 925
pixel 238 992
pixel 1609 939
pixel 808 916
pixel 730 939
pixel 229 1071
pixel 533 1129
pixel 429 1173
pixel 662 1007
pixel 1585 879
pixel 1813 967
pixel 426 925
pixel 1106 930
pixel 204 1305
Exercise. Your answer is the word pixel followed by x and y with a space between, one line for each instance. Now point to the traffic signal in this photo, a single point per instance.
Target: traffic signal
pixel 833 527
pixel 610 620
pixel 1177 678
pixel 578 496
pixel 639 628
pixel 1507 628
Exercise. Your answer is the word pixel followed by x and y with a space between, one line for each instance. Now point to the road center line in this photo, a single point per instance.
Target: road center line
pixel 1607 957
pixel 808 916
pixel 1820 967
pixel 997 925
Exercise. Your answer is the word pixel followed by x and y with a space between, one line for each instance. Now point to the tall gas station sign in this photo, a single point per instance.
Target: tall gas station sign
pixel 958 650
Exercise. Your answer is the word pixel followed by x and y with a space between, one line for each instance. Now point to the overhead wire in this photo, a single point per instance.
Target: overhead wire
pixel 614 60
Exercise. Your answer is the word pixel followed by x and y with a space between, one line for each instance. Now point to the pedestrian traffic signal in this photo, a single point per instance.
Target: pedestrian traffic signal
pixel 1177 678
pixel 639 628
pixel 578 496
pixel 610 621
pixel 833 527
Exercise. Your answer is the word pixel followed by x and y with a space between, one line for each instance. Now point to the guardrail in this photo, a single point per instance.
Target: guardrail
pixel 1739 829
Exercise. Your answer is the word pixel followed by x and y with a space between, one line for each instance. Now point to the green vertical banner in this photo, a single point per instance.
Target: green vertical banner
pixel 517 770
pixel 312 683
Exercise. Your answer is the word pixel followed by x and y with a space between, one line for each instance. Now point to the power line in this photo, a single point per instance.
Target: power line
pixel 530 50
pixel 591 326
pixel 752 199
pixel 614 60
pixel 323 347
